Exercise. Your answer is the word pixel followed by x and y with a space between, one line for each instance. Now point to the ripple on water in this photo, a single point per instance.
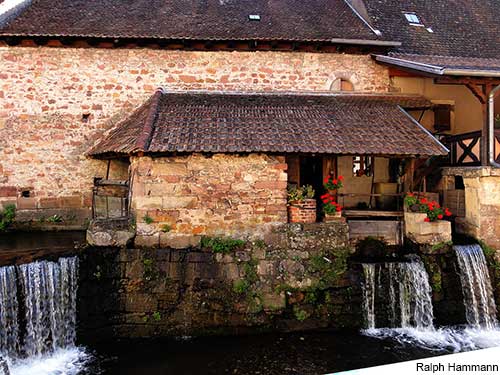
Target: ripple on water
pixel 70 361
pixel 454 339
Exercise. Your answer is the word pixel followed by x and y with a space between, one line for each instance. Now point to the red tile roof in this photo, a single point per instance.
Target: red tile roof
pixel 297 20
pixel 278 123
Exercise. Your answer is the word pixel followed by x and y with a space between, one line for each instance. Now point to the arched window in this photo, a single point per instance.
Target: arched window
pixel 342 84
pixel 346 85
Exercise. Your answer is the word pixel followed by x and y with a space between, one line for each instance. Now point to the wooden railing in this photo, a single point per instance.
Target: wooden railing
pixel 465 149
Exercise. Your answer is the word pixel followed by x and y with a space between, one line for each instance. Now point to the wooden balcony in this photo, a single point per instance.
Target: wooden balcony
pixel 465 149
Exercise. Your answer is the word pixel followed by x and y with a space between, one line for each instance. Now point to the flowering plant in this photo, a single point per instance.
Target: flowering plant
pixel 432 208
pixel 329 204
pixel 331 183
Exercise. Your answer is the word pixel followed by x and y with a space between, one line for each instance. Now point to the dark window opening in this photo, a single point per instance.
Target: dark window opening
pixel 459 183
pixel 362 166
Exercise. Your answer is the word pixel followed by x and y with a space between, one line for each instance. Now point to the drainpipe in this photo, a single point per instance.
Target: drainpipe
pixel 491 128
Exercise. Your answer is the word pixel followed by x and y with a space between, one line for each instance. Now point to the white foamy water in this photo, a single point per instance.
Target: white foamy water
pixel 70 361
pixel 450 339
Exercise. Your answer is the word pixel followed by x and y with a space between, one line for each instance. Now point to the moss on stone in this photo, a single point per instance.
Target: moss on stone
pixel 223 245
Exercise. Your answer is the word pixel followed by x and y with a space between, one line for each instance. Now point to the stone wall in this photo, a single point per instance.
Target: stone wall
pixel 56 102
pixel 298 278
pixel 482 203
pixel 178 199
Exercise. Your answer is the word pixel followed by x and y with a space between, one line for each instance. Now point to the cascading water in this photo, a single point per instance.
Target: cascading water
pixel 408 296
pixel 480 308
pixel 38 313
pixel 49 291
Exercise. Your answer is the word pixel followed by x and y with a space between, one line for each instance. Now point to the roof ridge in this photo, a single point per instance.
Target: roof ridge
pixel 144 138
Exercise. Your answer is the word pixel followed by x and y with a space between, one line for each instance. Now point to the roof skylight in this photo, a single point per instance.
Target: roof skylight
pixel 412 18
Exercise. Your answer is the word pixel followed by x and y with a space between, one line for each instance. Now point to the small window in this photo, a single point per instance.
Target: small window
pixel 362 166
pixel 412 18
pixel 346 85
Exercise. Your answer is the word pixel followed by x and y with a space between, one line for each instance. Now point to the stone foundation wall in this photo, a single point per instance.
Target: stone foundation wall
pixel 482 204
pixel 298 278
pixel 56 102
pixel 178 199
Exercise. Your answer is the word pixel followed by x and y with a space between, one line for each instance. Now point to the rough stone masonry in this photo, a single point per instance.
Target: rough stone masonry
pixel 56 102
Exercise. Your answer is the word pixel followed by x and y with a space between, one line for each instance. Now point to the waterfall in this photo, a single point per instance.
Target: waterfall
pixel 9 326
pixel 480 309
pixel 39 300
pixel 408 296
pixel 369 295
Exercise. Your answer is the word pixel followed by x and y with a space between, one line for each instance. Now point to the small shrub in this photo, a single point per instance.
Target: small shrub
pixel 55 219
pixel 298 194
pixel 7 217
pixel 300 314
pixel 241 286
pixel 441 245
pixel 149 271
pixel 166 228
pixel 156 316
pixel 148 219
pixel 221 245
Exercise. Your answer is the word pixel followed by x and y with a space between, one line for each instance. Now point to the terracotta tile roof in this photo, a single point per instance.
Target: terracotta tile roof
pixel 444 65
pixel 312 20
pixel 466 28
pixel 281 123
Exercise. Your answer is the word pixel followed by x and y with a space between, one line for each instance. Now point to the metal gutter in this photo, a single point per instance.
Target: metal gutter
pixel 435 69
pixel 491 128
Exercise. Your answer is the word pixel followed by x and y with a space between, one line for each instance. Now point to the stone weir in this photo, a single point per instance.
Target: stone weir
pixel 299 278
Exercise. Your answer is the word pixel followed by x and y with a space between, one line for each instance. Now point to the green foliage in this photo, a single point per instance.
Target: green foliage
pixel 298 194
pixel 55 219
pixel 329 267
pixel 489 254
pixel 437 282
pixel 166 228
pixel 441 245
pixel 241 286
pixel 300 314
pixel 7 217
pixel 250 270
pixel 98 273
pixel 149 272
pixel 221 245
pixel 259 244
pixel 148 219
pixel 156 316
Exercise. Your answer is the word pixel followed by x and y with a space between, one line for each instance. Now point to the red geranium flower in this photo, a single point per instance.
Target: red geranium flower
pixel 341 178
pixel 423 200
pixel 427 220
pixel 440 216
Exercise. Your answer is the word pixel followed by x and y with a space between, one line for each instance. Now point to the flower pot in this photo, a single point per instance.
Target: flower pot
pixel 302 211
pixel 337 216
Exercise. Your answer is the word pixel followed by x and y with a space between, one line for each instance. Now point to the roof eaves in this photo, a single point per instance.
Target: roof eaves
pixel 439 144
pixel 427 68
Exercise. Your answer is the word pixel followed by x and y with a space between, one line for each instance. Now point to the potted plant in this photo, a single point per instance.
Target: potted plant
pixel 432 210
pixel 333 184
pixel 332 210
pixel 301 204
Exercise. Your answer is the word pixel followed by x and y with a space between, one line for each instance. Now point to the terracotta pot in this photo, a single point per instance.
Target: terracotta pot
pixel 333 217
pixel 302 212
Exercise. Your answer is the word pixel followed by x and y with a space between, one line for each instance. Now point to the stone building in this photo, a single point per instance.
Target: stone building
pixel 254 95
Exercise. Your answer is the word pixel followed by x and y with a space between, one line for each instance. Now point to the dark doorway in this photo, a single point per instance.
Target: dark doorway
pixel 311 173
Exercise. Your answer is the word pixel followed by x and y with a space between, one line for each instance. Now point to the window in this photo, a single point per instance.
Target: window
pixel 412 18
pixel 346 85
pixel 342 84
pixel 362 166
